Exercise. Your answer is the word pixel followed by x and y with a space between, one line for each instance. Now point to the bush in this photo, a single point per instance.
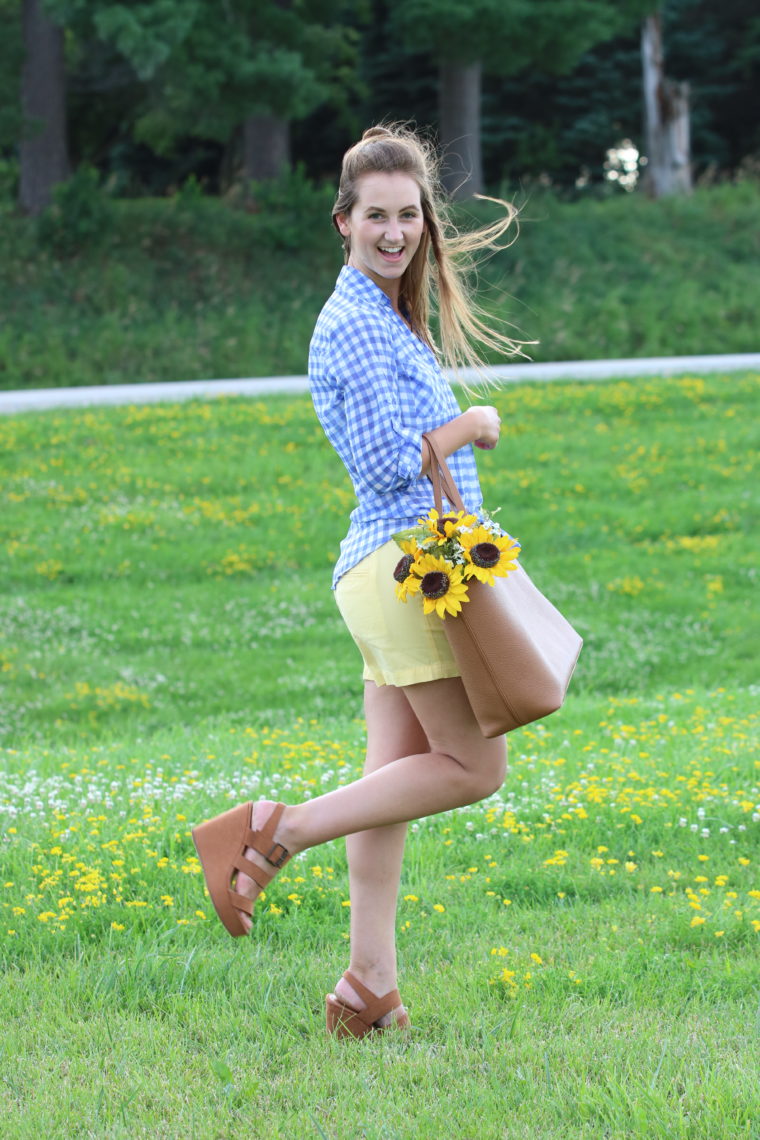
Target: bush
pixel 291 212
pixel 79 216
pixel 8 183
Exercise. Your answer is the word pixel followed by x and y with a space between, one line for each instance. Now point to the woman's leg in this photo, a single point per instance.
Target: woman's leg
pixel 375 856
pixel 459 767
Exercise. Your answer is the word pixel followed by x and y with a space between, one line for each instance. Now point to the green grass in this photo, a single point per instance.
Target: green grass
pixel 191 289
pixel 579 953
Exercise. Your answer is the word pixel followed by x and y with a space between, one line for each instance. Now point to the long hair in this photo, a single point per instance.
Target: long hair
pixel 437 275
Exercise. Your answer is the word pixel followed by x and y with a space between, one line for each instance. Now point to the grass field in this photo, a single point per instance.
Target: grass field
pixel 579 953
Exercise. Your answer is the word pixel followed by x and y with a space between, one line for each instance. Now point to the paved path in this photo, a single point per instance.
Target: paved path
pixel 40 398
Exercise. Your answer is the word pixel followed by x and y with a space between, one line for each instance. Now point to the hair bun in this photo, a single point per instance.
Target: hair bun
pixel 376 133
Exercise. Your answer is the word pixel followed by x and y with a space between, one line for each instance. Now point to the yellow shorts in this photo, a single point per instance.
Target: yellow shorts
pixel 399 643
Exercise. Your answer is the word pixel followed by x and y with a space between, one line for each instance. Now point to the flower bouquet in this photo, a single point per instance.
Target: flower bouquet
pixel 444 552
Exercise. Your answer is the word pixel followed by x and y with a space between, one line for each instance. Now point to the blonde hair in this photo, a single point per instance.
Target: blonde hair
pixel 437 273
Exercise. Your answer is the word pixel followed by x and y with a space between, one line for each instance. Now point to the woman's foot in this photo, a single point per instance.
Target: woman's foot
pixel 352 994
pixel 246 886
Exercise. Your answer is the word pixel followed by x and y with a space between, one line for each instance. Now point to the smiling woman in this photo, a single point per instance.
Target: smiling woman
pixel 378 388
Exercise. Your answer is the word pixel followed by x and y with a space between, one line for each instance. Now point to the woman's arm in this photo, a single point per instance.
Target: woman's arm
pixel 480 425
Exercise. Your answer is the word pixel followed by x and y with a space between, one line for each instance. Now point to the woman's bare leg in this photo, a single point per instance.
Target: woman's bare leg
pixel 460 767
pixel 375 856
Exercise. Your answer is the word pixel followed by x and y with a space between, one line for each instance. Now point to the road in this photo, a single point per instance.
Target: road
pixel 37 399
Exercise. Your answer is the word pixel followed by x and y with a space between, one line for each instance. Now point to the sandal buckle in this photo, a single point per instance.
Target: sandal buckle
pixel 277 855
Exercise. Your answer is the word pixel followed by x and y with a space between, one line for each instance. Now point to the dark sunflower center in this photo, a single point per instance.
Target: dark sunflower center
pixel 485 554
pixel 435 584
pixel 401 573
pixel 441 524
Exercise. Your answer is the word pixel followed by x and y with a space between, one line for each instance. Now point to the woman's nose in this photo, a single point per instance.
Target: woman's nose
pixel 393 231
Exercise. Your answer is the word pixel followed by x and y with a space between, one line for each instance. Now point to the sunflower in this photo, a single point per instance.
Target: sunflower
pixel 443 527
pixel 441 585
pixel 407 582
pixel 488 555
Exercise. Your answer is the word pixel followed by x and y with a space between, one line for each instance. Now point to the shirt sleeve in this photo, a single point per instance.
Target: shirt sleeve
pixel 363 364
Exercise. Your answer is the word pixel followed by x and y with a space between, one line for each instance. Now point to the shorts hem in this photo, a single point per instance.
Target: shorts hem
pixel 417 676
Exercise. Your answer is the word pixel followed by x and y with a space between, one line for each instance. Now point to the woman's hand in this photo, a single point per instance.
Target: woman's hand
pixel 480 425
pixel 490 426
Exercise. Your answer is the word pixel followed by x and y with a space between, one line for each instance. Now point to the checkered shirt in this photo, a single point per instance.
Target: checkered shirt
pixel 376 388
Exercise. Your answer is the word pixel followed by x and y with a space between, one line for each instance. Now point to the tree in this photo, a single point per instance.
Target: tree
pixel 504 37
pixel 43 154
pixel 666 118
pixel 251 67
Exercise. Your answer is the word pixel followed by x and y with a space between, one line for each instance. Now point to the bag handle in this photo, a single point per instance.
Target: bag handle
pixel 442 479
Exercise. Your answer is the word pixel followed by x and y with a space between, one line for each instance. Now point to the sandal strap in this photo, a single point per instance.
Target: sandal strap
pixel 240 902
pixel 262 840
pixel 375 1007
pixel 261 877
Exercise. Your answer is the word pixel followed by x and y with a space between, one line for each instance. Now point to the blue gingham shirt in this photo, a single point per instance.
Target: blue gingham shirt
pixel 376 388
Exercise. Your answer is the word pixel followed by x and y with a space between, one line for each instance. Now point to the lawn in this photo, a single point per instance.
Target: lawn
pixel 579 953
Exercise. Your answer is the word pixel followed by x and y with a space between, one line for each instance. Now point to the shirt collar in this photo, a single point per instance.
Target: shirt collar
pixel 354 284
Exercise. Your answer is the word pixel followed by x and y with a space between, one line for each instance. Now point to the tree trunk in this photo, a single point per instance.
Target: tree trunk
pixel 266 147
pixel 42 152
pixel 459 120
pixel 666 119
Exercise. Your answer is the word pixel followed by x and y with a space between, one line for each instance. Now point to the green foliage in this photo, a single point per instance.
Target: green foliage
pixel 11 55
pixel 157 91
pixel 145 34
pixel 241 59
pixel 509 35
pixel 8 183
pixel 291 212
pixel 190 288
pixel 79 216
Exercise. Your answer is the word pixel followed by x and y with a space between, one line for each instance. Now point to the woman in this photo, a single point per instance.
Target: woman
pixel 377 387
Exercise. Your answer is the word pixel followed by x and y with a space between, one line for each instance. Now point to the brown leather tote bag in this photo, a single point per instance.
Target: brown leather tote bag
pixel 515 651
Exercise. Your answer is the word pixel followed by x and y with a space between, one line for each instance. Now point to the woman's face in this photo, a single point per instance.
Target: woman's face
pixel 385 227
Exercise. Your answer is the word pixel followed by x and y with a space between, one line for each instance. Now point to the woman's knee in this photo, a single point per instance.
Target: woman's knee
pixel 483 769
pixel 490 779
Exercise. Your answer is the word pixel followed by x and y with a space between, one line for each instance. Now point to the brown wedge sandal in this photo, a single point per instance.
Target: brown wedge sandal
pixel 221 843
pixel 345 1021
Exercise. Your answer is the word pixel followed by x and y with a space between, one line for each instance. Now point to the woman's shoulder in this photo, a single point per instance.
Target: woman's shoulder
pixel 344 318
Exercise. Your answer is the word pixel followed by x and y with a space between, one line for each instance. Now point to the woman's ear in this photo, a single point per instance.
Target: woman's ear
pixel 343 224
